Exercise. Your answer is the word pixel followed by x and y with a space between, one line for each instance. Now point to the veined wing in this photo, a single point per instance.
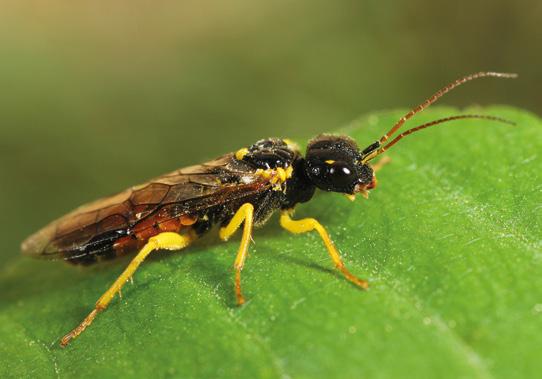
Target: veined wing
pixel 181 192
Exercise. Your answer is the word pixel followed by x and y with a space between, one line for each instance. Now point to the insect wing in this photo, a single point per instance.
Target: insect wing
pixel 181 192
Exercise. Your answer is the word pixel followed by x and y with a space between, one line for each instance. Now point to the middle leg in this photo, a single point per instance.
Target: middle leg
pixel 244 214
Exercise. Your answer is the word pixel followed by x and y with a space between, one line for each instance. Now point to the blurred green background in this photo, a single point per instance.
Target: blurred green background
pixel 99 96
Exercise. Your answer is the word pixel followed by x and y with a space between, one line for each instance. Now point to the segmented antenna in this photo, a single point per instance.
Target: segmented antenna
pixel 440 121
pixel 376 148
pixel 441 93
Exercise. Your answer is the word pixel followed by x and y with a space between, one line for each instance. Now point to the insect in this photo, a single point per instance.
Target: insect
pixel 240 188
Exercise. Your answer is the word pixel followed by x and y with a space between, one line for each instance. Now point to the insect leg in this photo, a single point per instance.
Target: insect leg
pixel 166 240
pixel 310 224
pixel 381 163
pixel 244 213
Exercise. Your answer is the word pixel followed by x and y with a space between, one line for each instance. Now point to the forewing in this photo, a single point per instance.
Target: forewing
pixel 180 192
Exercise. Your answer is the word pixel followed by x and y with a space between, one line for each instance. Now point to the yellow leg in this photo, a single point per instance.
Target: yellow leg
pixel 166 240
pixel 309 224
pixel 244 213
pixel 381 163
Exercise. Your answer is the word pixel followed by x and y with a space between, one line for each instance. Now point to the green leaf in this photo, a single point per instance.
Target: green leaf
pixel 450 242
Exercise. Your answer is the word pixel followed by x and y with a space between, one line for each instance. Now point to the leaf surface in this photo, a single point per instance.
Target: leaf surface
pixel 450 242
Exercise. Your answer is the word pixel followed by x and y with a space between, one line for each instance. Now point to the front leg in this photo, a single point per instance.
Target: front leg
pixel 244 214
pixel 381 163
pixel 310 224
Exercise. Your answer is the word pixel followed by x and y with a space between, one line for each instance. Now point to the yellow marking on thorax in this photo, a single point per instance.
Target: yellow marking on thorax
pixel 291 144
pixel 240 154
pixel 330 161
pixel 277 176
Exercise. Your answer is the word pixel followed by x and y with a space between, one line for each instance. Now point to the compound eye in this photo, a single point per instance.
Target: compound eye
pixel 341 174
pixel 340 170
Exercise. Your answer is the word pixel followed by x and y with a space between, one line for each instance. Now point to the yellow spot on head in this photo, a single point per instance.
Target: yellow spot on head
pixel 330 161
pixel 240 154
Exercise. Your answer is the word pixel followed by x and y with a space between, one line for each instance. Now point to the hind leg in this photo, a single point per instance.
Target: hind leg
pixel 166 240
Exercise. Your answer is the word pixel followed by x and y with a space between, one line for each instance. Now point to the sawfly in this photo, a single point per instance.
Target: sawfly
pixel 242 188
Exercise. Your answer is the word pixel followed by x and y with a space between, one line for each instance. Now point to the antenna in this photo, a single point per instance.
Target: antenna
pixel 376 148
pixel 436 122
pixel 441 93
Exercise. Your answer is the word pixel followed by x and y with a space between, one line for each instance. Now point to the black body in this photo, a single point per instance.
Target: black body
pixel 196 198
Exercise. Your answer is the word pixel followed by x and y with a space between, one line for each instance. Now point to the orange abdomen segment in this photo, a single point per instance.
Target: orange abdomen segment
pixel 142 231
